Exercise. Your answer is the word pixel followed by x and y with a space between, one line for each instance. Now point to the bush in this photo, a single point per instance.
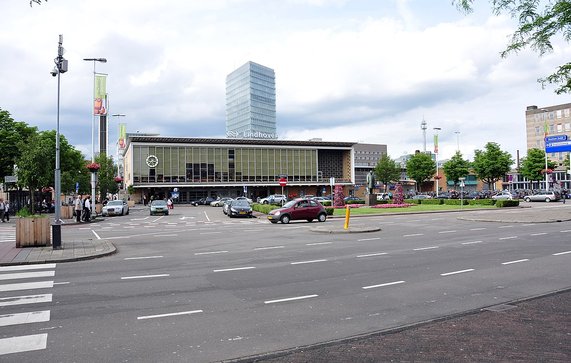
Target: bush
pixel 263 208
pixel 456 202
pixel 412 201
pixel 431 201
pixel 329 211
pixel 25 213
pixel 325 203
pixel 482 201
pixel 507 203
pixel 384 201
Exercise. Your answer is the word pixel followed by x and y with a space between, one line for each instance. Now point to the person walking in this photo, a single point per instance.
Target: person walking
pixel 7 211
pixel 2 210
pixel 87 209
pixel 77 208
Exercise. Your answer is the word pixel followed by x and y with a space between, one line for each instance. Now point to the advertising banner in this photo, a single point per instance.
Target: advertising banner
pixel 100 92
pixel 122 136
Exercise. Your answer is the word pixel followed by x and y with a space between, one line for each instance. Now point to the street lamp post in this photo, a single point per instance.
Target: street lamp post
pixel 436 129
pixel 118 115
pixel 60 67
pixel 94 60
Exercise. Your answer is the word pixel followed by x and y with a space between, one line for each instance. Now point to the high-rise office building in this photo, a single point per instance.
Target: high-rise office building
pixel 251 102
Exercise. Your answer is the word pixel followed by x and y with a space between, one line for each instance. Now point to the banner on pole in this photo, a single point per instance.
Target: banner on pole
pixel 100 92
pixel 122 136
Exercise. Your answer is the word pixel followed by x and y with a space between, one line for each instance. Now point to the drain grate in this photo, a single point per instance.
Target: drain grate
pixel 500 308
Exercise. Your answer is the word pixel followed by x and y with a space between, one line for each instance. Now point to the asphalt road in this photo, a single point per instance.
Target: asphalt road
pixel 196 286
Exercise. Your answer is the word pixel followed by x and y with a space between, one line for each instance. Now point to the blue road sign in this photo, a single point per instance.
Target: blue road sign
pixel 76 187
pixel 557 147
pixel 556 138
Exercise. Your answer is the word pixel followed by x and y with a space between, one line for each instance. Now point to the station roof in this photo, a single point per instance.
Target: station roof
pixel 230 141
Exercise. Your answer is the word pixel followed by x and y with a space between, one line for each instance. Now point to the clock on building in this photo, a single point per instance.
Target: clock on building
pixel 152 161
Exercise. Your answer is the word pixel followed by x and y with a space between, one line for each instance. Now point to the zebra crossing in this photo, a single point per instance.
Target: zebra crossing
pixel 18 287
pixel 7 233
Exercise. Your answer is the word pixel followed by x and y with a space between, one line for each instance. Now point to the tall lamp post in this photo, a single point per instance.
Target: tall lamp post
pixel 60 67
pixel 94 60
pixel 436 129
pixel 118 115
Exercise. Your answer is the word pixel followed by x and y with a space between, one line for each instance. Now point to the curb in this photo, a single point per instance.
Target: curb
pixel 111 251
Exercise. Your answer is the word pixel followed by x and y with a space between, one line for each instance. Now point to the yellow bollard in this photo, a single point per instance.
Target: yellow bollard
pixel 347 215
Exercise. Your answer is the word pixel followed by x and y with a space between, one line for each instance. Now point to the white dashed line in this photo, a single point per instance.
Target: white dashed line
pixel 477 229
pixel 369 239
pixel 167 315
pixel 510 237
pixel 290 299
pixel 457 272
pixel 206 215
pixel 413 235
pixel 538 234
pixel 318 243
pixel 566 231
pixel 383 285
pixel 143 277
pixel 142 258
pixel 447 232
pixel 425 248
pixel 235 269
pixel 471 242
pixel 268 248
pixel 96 235
pixel 209 253
pixel 304 262
pixel 372 254
pixel 517 261
pixel 561 253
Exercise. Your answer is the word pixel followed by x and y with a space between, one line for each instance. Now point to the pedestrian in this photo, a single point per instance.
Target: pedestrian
pixel 87 209
pixel 2 210
pixel 7 211
pixel 169 204
pixel 77 208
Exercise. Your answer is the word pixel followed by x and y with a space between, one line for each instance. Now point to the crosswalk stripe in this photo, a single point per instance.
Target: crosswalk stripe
pixel 27 286
pixel 44 266
pixel 25 318
pixel 27 275
pixel 23 344
pixel 29 299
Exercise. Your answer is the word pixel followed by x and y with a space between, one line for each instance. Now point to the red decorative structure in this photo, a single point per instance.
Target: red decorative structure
pixel 546 171
pixel 93 167
pixel 118 179
pixel 438 177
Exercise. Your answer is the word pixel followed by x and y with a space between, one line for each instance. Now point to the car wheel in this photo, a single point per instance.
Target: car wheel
pixel 527 199
pixel 285 219
pixel 322 217
pixel 127 212
pixel 547 200
pixel 265 202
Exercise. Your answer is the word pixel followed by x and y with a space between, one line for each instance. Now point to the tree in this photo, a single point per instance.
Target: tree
pixel 456 168
pixel 387 170
pixel 491 164
pixel 535 30
pixel 420 167
pixel 12 134
pixel 106 176
pixel 533 165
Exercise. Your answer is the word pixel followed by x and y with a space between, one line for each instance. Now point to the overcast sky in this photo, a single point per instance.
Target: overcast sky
pixel 363 70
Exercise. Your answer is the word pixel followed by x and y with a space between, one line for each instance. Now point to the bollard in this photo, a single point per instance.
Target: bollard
pixel 347 215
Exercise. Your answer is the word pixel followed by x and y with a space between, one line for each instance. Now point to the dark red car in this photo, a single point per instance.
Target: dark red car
pixel 298 209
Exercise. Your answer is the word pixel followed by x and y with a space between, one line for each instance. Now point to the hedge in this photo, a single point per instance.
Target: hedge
pixel 412 201
pixel 263 208
pixel 507 203
pixel 432 201
pixel 329 210
pixel 483 201
pixel 456 201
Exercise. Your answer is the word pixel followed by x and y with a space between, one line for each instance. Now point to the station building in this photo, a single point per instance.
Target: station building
pixel 189 168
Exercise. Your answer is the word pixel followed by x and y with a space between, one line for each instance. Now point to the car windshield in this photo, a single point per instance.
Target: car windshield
pixel 158 203
pixel 115 203
pixel 240 203
pixel 290 204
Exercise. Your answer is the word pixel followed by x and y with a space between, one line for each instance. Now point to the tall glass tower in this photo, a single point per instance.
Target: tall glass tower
pixel 251 102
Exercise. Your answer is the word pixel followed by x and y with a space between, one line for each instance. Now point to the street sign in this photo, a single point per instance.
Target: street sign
pixel 332 181
pixel 76 187
pixel 283 182
pixel 175 195
pixel 557 146
pixel 556 138
pixel 10 179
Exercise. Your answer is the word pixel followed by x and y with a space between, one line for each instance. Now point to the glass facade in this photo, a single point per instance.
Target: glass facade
pixel 222 165
pixel 251 102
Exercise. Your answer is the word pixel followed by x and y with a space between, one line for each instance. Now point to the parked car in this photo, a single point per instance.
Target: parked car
pixel 226 206
pixel 298 209
pixel 274 199
pixel 422 196
pixel 246 199
pixel 542 196
pixel 503 195
pixel 219 202
pixel 383 196
pixel 115 208
pixel 239 208
pixel 203 201
pixel 159 206
pixel 320 199
pixel 351 199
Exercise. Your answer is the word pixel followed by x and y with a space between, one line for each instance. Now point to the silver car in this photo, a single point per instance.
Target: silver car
pixel 115 208
pixel 542 196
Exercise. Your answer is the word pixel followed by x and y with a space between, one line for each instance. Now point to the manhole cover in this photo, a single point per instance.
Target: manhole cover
pixel 499 308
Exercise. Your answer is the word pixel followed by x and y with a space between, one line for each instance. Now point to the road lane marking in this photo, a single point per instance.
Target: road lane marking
pixel 413 235
pixel 318 243
pixel 169 314
pixel 96 235
pixel 61 283
pixel 516 261
pixel 372 254
pixel 234 269
pixel 25 318
pixel 510 237
pixel 23 344
pixel 477 229
pixel 28 299
pixel 209 232
pixel 290 299
pixel 27 286
pixel 267 248
pixel 471 242
pixel 142 258
pixel 27 275
pixel 425 248
pixel 304 262
pixel 143 276
pixel 538 234
pixel 457 272
pixel 158 219
pixel 368 239
pixel 528 224
pixel 561 253
pixel 505 226
pixel 28 267
pixel 566 231
pixel 206 215
pixel 447 232
pixel 209 253
pixel 383 285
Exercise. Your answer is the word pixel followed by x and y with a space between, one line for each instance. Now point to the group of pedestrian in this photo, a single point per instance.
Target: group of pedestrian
pixel 4 210
pixel 82 209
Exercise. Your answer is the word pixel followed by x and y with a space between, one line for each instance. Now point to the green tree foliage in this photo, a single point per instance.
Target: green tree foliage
pixel 387 170
pixel 539 21
pixel 106 176
pixel 11 135
pixel 533 165
pixel 420 167
pixel 456 168
pixel 492 163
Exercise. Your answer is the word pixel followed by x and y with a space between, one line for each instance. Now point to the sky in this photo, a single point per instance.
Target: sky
pixel 365 71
